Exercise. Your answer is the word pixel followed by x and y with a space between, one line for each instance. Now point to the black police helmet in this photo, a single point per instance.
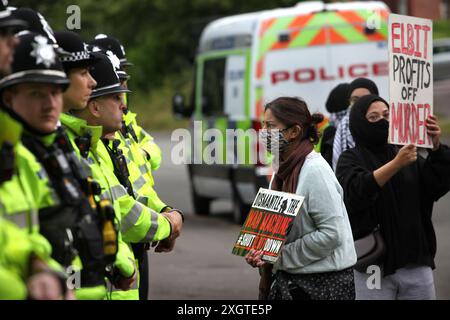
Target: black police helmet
pixel 110 43
pixel 77 53
pixel 35 60
pixel 123 75
pixel 8 19
pixel 106 77
pixel 36 23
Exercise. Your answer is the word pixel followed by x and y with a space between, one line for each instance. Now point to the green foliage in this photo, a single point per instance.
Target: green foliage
pixel 160 36
pixel 154 108
pixel 441 29
pixel 445 127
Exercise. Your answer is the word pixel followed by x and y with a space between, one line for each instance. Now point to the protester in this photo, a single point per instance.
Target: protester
pixel 336 104
pixel 316 261
pixel 394 189
pixel 343 139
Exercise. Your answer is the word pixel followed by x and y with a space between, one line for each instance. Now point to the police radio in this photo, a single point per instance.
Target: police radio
pixel 84 143
pixel 120 165
pixel 128 130
pixel 109 230
pixel 90 187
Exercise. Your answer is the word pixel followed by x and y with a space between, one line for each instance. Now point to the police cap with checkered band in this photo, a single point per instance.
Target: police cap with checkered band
pixel 77 53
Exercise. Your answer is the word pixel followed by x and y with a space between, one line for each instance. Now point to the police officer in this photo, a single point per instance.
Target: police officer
pixel 76 63
pixel 24 253
pixel 139 223
pixel 142 179
pixel 33 94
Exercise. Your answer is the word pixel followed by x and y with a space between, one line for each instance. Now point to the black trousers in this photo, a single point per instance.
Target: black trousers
pixel 140 254
pixel 144 277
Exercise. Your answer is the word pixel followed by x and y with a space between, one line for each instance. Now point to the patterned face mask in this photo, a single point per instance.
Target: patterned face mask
pixel 274 138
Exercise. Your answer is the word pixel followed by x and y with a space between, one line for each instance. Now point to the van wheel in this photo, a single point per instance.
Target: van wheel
pixel 240 211
pixel 202 205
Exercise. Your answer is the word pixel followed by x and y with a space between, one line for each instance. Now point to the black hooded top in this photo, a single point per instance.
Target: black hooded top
pixel 403 206
pixel 364 83
pixel 338 98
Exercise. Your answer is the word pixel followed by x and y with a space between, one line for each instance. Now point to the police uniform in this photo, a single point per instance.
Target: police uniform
pixel 138 224
pixel 84 140
pixel 142 154
pixel 67 219
pixel 19 230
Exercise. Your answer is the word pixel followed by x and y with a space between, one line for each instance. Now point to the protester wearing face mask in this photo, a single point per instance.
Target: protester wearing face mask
pixel 393 189
pixel 316 261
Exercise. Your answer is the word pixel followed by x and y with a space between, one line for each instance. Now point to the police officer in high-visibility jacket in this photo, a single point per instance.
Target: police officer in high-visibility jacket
pixel 33 93
pixel 25 261
pixel 139 223
pixel 76 62
pixel 140 165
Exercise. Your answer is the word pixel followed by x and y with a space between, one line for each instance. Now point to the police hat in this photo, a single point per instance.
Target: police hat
pixel 114 60
pixel 36 23
pixel 106 77
pixel 35 60
pixel 77 53
pixel 9 20
pixel 110 43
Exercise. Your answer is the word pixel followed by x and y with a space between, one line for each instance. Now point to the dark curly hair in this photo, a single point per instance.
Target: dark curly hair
pixel 292 111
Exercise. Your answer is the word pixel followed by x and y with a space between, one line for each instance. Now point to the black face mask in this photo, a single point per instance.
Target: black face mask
pixel 378 132
pixel 365 133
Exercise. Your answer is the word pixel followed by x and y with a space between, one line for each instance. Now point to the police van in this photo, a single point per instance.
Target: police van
pixel 247 60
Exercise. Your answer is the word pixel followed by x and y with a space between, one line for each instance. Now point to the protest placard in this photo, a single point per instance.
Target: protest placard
pixel 410 79
pixel 268 223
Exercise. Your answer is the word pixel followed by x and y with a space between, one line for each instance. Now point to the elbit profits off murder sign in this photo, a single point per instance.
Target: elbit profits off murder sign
pixel 410 79
pixel 268 223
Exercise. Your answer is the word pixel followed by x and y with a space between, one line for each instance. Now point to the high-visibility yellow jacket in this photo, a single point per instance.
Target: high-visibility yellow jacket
pixel 20 198
pixel 138 223
pixel 15 251
pixel 146 143
pixel 111 189
pixel 140 171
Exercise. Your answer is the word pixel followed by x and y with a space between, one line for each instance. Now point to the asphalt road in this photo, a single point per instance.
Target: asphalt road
pixel 202 266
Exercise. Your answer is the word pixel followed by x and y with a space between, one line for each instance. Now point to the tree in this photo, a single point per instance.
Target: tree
pixel 160 36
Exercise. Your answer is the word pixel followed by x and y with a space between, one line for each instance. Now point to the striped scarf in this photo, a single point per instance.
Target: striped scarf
pixel 343 139
pixel 336 117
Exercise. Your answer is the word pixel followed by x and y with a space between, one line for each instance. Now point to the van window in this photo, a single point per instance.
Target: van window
pixel 234 87
pixel 213 87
